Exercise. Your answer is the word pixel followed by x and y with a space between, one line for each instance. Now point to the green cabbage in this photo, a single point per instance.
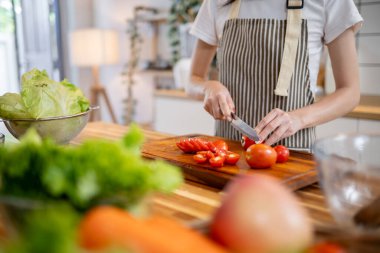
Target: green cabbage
pixel 43 97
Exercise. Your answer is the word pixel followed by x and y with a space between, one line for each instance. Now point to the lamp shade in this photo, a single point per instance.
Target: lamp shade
pixel 94 47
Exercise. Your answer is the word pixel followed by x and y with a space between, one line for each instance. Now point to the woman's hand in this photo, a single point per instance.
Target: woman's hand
pixel 218 101
pixel 280 123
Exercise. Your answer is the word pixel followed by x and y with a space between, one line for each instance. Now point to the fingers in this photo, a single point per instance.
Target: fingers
pixel 278 124
pixel 269 123
pixel 218 102
pixel 225 109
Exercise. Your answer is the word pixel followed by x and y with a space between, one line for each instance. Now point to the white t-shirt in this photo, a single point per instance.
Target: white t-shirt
pixel 327 19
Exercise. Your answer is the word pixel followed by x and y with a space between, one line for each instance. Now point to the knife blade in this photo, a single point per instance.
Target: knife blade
pixel 244 128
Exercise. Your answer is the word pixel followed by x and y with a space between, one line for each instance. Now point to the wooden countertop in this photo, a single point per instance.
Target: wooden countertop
pixel 193 202
pixel 368 108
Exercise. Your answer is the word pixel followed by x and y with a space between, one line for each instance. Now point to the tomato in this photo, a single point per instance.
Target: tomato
pixel 199 158
pixel 232 158
pixel 326 247
pixel 217 161
pixel 211 146
pixel 208 154
pixel 220 144
pixel 221 153
pixel 282 153
pixel 246 142
pixel 260 156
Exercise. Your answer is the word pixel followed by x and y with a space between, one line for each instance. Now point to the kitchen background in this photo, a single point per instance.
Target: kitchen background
pixel 151 36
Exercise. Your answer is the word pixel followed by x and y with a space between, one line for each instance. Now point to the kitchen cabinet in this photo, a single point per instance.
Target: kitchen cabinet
pixel 341 125
pixel 348 125
pixel 179 115
pixel 369 126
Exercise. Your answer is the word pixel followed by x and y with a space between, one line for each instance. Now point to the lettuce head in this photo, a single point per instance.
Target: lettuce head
pixel 43 97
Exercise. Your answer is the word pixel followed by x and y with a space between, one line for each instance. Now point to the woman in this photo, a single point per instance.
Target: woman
pixel 268 59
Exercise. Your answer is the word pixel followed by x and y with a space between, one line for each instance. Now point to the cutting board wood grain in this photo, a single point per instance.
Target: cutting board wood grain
pixel 299 171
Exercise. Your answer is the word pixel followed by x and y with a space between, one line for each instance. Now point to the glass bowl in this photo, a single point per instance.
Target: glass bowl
pixel 349 173
pixel 60 129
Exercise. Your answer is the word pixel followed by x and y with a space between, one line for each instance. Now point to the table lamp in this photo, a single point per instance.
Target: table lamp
pixel 93 48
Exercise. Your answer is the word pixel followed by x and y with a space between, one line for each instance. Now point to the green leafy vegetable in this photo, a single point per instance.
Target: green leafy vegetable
pixel 12 106
pixel 48 229
pixel 43 97
pixel 98 171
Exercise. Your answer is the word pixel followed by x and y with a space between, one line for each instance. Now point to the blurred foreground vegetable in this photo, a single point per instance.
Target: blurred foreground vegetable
pixel 107 227
pixel 259 215
pixel 50 229
pixel 98 171
pixel 42 97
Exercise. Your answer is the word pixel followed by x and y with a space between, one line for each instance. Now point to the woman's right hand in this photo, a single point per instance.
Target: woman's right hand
pixel 218 101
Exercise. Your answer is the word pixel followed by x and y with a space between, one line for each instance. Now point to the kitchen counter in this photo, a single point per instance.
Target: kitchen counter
pixel 368 108
pixel 194 203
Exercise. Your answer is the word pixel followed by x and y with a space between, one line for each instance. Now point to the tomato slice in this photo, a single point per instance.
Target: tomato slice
pixel 211 146
pixel 282 153
pixel 220 144
pixel 221 153
pixel 246 142
pixel 232 158
pixel 217 161
pixel 199 158
pixel 203 144
pixel 208 154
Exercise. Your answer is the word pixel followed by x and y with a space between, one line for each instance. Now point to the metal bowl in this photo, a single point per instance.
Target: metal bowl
pixel 60 129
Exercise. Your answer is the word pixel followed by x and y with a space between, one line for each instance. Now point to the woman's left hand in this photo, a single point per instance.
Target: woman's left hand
pixel 279 124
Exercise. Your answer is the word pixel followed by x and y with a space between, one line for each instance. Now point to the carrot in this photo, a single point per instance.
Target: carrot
pixel 105 227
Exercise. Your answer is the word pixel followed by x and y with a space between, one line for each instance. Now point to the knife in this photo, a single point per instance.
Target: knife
pixel 244 128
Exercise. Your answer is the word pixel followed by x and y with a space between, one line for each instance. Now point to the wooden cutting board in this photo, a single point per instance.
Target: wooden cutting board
pixel 297 172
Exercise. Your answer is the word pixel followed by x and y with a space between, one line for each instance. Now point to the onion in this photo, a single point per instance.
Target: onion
pixel 260 215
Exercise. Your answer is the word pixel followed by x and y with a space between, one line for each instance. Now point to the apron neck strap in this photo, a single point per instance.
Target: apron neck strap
pixel 290 5
pixel 292 35
pixel 235 9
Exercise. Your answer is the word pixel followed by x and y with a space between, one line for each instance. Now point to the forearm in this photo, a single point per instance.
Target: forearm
pixel 329 107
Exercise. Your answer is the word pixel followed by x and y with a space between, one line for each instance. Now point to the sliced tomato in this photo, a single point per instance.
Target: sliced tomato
pixel 211 146
pixel 220 144
pixel 208 154
pixel 203 144
pixel 232 158
pixel 196 144
pixel 246 142
pixel 189 146
pixel 217 161
pixel 221 153
pixel 184 147
pixel 199 158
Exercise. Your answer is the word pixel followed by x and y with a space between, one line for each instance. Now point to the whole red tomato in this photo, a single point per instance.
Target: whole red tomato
pixel 220 144
pixel 282 153
pixel 246 142
pixel 260 156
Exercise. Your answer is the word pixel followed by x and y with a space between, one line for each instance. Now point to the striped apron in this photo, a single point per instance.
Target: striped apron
pixel 249 60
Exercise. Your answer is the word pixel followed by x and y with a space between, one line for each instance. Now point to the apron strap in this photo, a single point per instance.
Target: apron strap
pixel 235 9
pixel 293 33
